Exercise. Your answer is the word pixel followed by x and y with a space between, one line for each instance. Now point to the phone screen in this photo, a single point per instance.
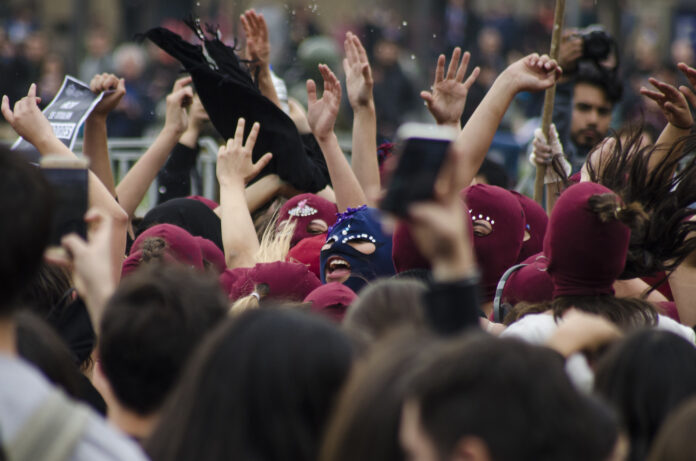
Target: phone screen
pixel 69 187
pixel 413 180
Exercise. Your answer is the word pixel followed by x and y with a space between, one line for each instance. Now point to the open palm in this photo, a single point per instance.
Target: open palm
pixel 322 113
pixel 447 99
pixel 356 66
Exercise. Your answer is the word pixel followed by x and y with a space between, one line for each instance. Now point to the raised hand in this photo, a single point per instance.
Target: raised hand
pixel 359 82
pixel 181 97
pixel 115 88
pixel 672 102
pixel 533 73
pixel 258 46
pixel 690 74
pixel 447 97
pixel 322 113
pixel 234 162
pixel 27 119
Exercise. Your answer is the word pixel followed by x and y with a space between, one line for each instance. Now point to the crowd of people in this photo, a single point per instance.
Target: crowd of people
pixel 293 319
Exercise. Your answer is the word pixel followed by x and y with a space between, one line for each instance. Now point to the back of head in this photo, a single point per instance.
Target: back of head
pixel 513 396
pixel 150 327
pixel 261 387
pixel 645 377
pixel 365 424
pixel 384 306
pixel 675 441
pixel 587 241
pixel 25 207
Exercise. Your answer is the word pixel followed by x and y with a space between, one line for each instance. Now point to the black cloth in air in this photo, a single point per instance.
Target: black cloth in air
pixel 228 92
pixel 174 179
pixel 191 215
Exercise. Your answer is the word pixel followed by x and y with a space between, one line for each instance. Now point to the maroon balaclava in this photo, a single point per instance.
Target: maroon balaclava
pixel 585 255
pixel 286 281
pixel 531 283
pixel 307 252
pixel 499 250
pixel 331 300
pixel 303 209
pixel 235 282
pixel 405 252
pixel 537 220
pixel 212 254
pixel 180 246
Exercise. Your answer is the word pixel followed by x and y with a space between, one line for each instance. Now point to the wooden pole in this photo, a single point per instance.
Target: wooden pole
pixel 549 97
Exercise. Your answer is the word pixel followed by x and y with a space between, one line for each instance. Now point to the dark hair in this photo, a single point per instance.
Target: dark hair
pixel 261 387
pixel 601 77
pixel 383 306
pixel 645 377
pixel 150 327
pixel 664 195
pixel 51 296
pixel 153 249
pixel 494 173
pixel 627 313
pixel 514 396
pixel 365 425
pixel 25 206
pixel 675 441
pixel 39 344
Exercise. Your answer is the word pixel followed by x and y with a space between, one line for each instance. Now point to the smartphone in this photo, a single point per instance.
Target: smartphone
pixel 68 179
pixel 421 150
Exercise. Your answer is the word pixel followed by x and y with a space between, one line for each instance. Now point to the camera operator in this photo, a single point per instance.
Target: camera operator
pixel 588 92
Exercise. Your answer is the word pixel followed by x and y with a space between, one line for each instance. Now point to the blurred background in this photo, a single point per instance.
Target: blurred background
pixel 42 40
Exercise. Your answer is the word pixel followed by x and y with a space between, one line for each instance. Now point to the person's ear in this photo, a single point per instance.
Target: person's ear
pixel 470 448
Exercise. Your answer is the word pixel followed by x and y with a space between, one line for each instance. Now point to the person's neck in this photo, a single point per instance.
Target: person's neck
pixel 137 426
pixel 8 337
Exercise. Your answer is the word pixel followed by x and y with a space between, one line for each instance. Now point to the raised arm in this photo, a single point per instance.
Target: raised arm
pixel 439 229
pixel 95 145
pixel 258 50
pixel 359 85
pixel 676 109
pixel 447 97
pixel 30 123
pixel 134 185
pixel 531 73
pixel 321 115
pixel 234 170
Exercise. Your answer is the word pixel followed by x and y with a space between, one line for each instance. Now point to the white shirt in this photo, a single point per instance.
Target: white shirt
pixel 538 329
pixel 22 390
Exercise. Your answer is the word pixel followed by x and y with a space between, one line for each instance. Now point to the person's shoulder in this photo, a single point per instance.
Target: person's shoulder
pixel 668 324
pixel 102 442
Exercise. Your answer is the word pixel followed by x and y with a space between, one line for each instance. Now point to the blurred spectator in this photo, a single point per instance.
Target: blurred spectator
pixel 394 92
pixel 98 59
pixel 461 24
pixel 136 109
pixel 52 75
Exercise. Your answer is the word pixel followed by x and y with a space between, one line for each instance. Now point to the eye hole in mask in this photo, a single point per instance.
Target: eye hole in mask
pixel 317 226
pixel 329 243
pixel 363 246
pixel 482 227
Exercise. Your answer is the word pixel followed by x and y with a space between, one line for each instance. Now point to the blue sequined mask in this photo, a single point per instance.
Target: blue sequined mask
pixel 359 225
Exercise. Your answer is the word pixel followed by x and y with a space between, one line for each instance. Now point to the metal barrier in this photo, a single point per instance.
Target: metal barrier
pixel 124 152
